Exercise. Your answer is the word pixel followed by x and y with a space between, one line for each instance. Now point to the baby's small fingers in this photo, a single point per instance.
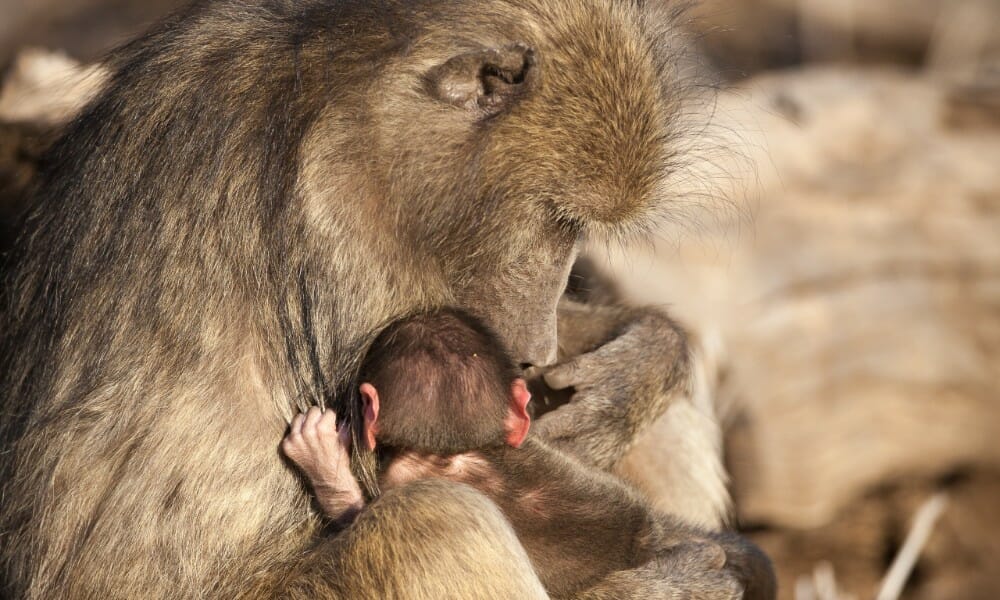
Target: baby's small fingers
pixel 291 448
pixel 296 427
pixel 312 419
pixel 328 422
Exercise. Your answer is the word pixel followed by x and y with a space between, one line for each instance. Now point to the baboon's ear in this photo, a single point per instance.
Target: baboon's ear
pixel 484 81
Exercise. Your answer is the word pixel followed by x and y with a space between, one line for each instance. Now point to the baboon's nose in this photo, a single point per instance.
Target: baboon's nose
pixel 539 354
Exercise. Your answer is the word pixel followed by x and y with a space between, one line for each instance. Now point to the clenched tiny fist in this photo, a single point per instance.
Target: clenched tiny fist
pixel 322 452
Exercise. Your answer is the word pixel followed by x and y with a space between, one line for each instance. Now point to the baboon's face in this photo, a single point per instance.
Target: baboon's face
pixel 508 134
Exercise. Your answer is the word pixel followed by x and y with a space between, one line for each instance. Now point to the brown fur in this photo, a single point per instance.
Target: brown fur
pixel 21 146
pixel 476 553
pixel 581 528
pixel 259 187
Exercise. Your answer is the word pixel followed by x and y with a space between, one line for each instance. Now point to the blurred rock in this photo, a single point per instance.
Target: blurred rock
pixel 44 87
pixel 746 36
pixel 86 29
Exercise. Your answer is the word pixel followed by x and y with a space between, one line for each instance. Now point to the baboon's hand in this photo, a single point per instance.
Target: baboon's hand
pixel 699 570
pixel 625 365
pixel 322 452
pixel 684 572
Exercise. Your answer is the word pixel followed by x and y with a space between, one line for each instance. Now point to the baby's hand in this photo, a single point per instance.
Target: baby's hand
pixel 322 452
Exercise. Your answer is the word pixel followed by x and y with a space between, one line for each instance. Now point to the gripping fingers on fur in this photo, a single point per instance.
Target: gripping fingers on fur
pixel 621 386
pixel 314 441
pixel 587 369
pixel 698 570
pixel 620 356
pixel 313 417
pixel 647 351
pixel 296 428
pixel 327 424
pixel 293 445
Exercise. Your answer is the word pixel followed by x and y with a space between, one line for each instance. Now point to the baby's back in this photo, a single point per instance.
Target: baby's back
pixel 578 524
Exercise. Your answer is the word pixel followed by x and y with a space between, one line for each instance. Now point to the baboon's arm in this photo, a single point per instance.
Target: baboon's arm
pixel 427 540
pixel 626 365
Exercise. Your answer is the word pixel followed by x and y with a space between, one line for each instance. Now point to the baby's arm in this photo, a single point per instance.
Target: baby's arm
pixel 321 451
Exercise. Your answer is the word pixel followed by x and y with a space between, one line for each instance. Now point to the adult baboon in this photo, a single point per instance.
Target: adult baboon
pixel 258 188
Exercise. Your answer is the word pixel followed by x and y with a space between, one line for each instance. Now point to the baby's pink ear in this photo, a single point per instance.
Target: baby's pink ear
pixel 369 396
pixel 518 421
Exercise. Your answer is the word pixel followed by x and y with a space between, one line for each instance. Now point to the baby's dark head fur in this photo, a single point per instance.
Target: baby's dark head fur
pixel 444 382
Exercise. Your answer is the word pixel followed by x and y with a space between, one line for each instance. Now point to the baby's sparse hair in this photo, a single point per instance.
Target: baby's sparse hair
pixel 444 383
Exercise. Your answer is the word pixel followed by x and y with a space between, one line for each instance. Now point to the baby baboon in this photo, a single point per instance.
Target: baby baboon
pixel 260 186
pixel 442 398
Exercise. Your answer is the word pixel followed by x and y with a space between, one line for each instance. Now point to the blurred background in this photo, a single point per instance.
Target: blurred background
pixel 836 255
